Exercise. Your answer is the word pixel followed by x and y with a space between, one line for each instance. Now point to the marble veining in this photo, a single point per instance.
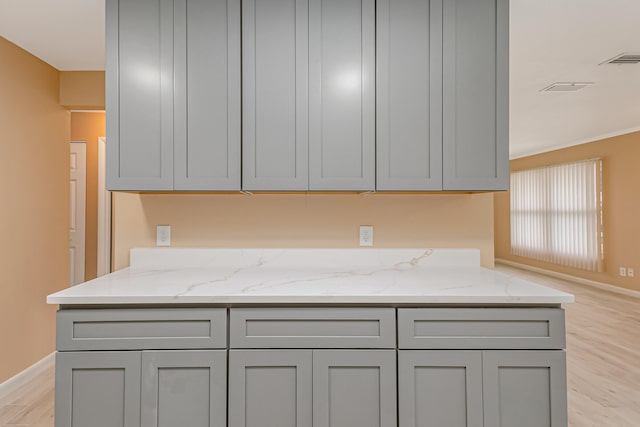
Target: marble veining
pixel 307 276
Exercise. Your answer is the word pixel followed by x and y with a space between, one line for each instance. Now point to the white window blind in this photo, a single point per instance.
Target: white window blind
pixel 556 214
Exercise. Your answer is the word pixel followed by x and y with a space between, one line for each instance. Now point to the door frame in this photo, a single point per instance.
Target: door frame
pixel 80 217
pixel 104 213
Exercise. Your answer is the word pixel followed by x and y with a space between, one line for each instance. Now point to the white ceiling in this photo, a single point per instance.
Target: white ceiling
pixel 551 41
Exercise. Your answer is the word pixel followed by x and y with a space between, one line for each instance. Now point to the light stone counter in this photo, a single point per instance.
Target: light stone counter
pixel 307 276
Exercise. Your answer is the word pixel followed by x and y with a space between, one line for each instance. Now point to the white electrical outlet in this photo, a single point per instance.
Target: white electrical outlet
pixel 630 272
pixel 163 235
pixel 366 235
pixel 623 272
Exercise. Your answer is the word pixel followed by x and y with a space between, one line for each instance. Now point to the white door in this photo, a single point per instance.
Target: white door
pixel 77 197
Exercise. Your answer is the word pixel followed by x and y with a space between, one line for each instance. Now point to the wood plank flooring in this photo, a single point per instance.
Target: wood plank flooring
pixel 603 360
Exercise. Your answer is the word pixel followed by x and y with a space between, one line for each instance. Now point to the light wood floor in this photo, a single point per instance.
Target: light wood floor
pixel 603 360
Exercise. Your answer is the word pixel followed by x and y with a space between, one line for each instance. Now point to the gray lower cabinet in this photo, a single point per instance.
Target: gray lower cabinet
pixel 141 388
pixel 354 388
pixel 184 388
pixel 270 388
pixel 173 94
pixel 319 388
pixel 524 388
pixel 440 388
pixel 460 388
pixel 97 389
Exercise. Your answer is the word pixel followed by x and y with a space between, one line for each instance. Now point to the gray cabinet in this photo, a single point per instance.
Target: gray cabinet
pixel 475 94
pixel 525 388
pixel 148 388
pixel 320 388
pixel 313 383
pixel 308 95
pixel 440 388
pixel 409 95
pixel 207 95
pixel 354 388
pixel 135 383
pixel 97 389
pixel 330 95
pixel 270 388
pixel 139 94
pixel 492 367
pixel 184 388
pixel 342 95
pixel 275 96
pixel 173 95
pixel 482 388
pixel 442 100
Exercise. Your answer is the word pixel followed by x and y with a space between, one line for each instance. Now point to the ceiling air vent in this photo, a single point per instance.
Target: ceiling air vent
pixel 566 86
pixel 624 58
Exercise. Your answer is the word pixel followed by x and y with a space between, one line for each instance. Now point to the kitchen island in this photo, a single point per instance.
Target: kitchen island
pixel 309 337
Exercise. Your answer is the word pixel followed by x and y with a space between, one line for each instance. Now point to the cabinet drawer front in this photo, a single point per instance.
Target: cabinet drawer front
pixel 136 329
pixel 481 328
pixel 312 328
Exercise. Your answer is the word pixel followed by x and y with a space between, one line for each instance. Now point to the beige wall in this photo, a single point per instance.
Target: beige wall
pixel 621 207
pixel 34 206
pixel 82 90
pixel 304 220
pixel 89 127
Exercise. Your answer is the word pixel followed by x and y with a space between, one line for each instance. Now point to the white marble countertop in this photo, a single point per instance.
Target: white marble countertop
pixel 307 276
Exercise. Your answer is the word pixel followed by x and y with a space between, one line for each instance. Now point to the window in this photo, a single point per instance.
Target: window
pixel 556 214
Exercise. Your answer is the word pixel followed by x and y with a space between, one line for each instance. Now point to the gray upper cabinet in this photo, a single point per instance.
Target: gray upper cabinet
pixel 139 94
pixel 275 105
pixel 409 95
pixel 475 94
pixel 173 95
pixel 207 95
pixel 442 95
pixel 342 95
pixel 307 95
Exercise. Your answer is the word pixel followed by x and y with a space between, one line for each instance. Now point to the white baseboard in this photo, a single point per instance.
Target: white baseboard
pixel 595 284
pixel 11 385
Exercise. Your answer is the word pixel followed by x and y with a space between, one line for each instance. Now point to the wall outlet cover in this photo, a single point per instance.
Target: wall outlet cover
pixel 163 235
pixel 366 235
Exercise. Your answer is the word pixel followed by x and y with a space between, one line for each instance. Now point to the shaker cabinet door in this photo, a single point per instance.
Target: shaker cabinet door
pixel 440 388
pixel 207 95
pixel 275 70
pixel 525 388
pixel 270 388
pixel 409 95
pixel 354 388
pixel 475 94
pixel 342 95
pixel 97 389
pixel 184 388
pixel 139 94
